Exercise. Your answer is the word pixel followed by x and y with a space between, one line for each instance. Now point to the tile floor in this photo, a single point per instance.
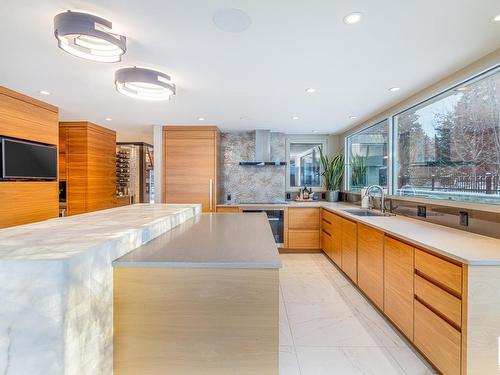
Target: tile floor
pixel 327 327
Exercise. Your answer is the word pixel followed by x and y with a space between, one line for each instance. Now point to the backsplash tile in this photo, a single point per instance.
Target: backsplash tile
pixel 251 183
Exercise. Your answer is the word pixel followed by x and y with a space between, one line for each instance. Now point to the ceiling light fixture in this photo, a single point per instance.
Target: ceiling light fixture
pixel 295 117
pixel 310 90
pixel 352 18
pixel 496 19
pixel 89 37
pixel 201 118
pixel 144 83
pixel 108 119
pixel 353 117
pixel 44 92
pixel 394 89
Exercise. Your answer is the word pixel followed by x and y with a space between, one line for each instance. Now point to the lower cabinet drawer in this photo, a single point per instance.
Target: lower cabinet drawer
pixel 440 300
pixel 326 242
pixel 437 340
pixel 303 239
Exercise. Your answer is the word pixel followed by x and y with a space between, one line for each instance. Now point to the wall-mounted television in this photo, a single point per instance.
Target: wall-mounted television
pixel 24 160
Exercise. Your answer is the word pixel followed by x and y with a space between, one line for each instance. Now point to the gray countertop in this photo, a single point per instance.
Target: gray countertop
pixel 210 241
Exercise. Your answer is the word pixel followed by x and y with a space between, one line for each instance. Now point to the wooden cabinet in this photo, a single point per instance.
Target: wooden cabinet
pixel 303 227
pixel 33 120
pixel 191 165
pixel 87 162
pixel 228 209
pixel 437 340
pixel 398 284
pixel 371 263
pixel 350 249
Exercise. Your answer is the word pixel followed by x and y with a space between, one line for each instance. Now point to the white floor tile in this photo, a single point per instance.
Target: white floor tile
pixel 328 327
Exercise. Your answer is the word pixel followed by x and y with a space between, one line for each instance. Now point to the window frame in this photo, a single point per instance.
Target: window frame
pixel 347 154
pixel 391 147
pixel 293 138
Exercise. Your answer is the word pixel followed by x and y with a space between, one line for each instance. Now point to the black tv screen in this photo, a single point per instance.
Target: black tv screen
pixel 28 160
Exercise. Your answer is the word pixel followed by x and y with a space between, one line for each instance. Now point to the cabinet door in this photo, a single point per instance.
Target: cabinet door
pixel 350 249
pixel 337 240
pixel 398 284
pixel 190 168
pixel 371 263
pixel 326 242
pixel 303 218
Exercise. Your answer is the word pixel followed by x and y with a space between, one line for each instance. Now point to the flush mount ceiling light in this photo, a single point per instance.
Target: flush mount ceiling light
pixel 310 90
pixel 44 92
pixel 143 83
pixel 295 117
pixel 353 117
pixel 496 19
pixel 231 20
pixel 201 118
pixel 352 18
pixel 394 89
pixel 108 119
pixel 89 37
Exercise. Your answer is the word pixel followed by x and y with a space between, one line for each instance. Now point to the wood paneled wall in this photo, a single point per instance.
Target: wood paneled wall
pixel 87 162
pixel 30 119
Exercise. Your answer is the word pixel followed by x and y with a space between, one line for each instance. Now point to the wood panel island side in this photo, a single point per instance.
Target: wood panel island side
pixel 200 299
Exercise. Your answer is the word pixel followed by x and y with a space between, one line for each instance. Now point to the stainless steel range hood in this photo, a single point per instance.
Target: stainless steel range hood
pixel 262 150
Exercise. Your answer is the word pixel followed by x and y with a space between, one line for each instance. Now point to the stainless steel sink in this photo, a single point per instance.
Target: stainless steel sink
pixel 366 213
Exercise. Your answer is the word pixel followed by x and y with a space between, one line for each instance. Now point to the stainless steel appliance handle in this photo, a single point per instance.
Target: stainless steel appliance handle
pixel 211 193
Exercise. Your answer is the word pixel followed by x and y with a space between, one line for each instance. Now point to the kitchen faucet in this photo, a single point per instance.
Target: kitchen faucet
pixel 382 197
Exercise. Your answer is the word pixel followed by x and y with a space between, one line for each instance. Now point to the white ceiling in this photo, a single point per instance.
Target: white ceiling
pixel 259 74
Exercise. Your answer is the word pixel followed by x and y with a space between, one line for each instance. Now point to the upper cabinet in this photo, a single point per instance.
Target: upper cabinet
pixel 192 165
pixel 87 162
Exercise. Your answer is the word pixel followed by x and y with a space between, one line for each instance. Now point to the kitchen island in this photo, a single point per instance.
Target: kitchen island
pixel 56 286
pixel 200 299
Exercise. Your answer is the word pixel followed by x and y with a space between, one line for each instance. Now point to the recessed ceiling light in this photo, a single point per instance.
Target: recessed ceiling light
pixel 314 131
pixel 295 117
pixel 144 83
pixel 310 90
pixel 231 20
pixel 44 92
pixel 89 37
pixel 462 88
pixel 496 19
pixel 353 117
pixel 393 89
pixel 201 118
pixel 108 119
pixel 352 18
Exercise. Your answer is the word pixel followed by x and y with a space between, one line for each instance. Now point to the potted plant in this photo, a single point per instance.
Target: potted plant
pixel 333 172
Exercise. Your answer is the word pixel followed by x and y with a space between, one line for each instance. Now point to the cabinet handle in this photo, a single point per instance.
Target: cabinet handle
pixel 210 189
pixel 326 221
pixel 325 232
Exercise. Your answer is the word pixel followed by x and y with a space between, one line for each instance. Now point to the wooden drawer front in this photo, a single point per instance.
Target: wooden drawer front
pixel 228 209
pixel 327 217
pixel 303 239
pixel 443 272
pixel 437 340
pixel 440 300
pixel 371 263
pixel 303 218
pixel 350 249
pixel 326 242
pixel 398 284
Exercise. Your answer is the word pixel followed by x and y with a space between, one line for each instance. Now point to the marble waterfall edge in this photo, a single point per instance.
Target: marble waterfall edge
pixel 56 287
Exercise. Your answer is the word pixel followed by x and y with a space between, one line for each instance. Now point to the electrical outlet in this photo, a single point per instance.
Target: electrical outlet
pixel 421 211
pixel 288 196
pixel 323 196
pixel 464 218
pixel 229 197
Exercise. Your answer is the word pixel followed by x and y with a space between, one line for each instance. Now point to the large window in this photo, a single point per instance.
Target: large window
pixel 304 165
pixel 367 157
pixel 449 146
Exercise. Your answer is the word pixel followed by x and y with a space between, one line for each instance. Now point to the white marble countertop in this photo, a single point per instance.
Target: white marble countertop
pixel 67 237
pixel 465 247
pixel 210 241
